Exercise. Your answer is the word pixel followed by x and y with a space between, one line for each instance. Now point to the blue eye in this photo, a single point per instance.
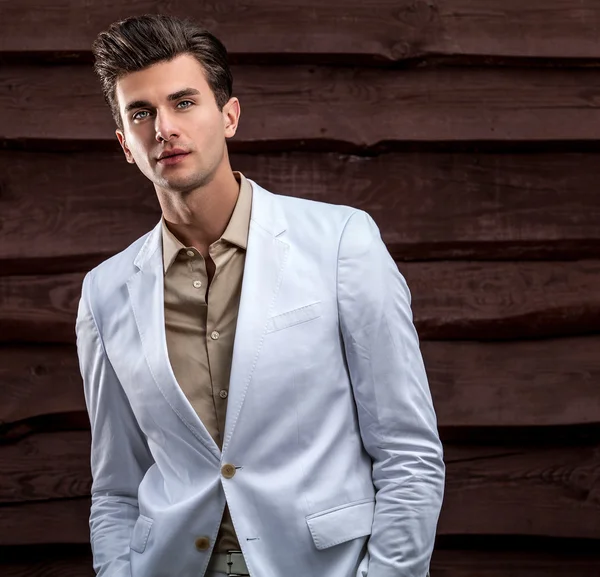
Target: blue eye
pixel 137 117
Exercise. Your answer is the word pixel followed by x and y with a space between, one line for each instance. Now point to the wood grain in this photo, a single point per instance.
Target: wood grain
pixel 27 373
pixel 552 491
pixel 474 384
pixel 342 107
pixel 378 29
pixel 504 300
pixel 36 523
pixel 67 212
pixel 39 309
pixel 51 564
pixel 510 490
pixel 46 467
pixel 514 384
pixel 493 563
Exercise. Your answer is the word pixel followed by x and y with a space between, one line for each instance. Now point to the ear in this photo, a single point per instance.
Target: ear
pixel 123 143
pixel 231 116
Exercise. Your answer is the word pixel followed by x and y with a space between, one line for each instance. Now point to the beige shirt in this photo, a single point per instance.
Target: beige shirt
pixel 200 324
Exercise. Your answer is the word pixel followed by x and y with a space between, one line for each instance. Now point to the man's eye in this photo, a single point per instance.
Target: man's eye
pixel 137 116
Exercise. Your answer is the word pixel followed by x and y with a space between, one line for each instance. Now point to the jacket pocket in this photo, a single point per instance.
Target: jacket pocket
pixel 141 532
pixel 294 317
pixel 340 524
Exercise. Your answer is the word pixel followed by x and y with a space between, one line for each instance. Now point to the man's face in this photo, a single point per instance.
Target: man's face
pixel 154 124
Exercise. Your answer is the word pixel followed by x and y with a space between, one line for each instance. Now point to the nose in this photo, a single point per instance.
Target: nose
pixel 165 126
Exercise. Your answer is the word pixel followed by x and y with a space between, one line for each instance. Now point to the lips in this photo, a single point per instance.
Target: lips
pixel 172 155
pixel 173 159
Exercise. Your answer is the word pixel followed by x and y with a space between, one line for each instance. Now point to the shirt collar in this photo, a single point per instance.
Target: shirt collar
pixel 235 233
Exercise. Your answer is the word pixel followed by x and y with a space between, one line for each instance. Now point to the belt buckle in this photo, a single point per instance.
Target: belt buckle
pixel 230 563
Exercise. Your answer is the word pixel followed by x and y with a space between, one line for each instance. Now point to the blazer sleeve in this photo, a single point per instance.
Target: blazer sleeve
pixel 396 417
pixel 119 452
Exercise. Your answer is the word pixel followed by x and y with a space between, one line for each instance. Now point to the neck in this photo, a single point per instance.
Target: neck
pixel 201 217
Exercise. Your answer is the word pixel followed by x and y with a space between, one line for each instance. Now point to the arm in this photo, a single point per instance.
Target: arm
pixel 119 452
pixel 395 411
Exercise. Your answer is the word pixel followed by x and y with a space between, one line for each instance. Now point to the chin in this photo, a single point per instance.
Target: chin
pixel 182 183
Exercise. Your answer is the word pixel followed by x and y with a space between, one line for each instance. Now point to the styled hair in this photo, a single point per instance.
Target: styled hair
pixel 138 42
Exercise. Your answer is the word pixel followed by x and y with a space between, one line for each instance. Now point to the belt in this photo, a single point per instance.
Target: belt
pixel 230 563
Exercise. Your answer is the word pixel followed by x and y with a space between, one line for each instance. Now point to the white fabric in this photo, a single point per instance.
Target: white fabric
pixel 330 420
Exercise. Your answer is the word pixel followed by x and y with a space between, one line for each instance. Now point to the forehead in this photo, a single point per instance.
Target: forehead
pixel 161 79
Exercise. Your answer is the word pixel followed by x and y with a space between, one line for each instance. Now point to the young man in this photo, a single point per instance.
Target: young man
pixel 257 397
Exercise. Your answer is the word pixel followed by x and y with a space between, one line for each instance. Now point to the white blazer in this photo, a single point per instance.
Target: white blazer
pixel 330 424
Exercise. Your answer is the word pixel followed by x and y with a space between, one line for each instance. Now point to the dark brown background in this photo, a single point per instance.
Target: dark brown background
pixel 467 128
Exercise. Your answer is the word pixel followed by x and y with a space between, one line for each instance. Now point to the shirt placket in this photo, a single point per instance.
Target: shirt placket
pixel 214 330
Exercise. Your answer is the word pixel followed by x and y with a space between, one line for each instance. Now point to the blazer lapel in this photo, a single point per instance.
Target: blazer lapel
pixel 266 257
pixel 146 291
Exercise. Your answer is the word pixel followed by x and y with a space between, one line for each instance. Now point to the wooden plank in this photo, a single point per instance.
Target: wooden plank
pixel 350 108
pixel 474 384
pixel 27 373
pixel 67 212
pixel 510 490
pixel 515 384
pixel 451 300
pixel 50 564
pixel 381 30
pixel 74 215
pixel 37 523
pixel 444 563
pixel 547 491
pixel 504 300
pixel 54 422
pixel 39 308
pixel 494 563
pixel 48 466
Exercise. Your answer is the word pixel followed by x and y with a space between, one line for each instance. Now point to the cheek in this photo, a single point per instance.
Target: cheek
pixel 140 150
pixel 141 156
pixel 210 129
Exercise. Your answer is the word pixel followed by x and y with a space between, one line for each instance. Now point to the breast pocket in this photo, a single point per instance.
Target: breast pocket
pixel 294 317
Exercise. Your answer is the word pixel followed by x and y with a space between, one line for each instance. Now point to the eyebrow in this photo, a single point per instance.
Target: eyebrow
pixel 175 96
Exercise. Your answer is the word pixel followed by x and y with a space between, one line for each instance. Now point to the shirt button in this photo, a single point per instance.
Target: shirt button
pixel 202 543
pixel 190 253
pixel 223 394
pixel 228 471
pixel 197 284
pixel 214 335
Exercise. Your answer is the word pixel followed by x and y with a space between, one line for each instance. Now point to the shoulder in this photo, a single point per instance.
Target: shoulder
pixel 310 218
pixel 353 229
pixel 315 210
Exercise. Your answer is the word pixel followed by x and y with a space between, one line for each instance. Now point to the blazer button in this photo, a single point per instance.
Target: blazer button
pixel 202 543
pixel 228 471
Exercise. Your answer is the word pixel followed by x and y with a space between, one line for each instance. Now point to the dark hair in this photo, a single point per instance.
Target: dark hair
pixel 138 42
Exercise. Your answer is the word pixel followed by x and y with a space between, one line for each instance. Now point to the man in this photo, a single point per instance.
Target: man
pixel 257 399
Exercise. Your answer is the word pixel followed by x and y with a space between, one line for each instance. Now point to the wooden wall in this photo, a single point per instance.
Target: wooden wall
pixel 467 128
